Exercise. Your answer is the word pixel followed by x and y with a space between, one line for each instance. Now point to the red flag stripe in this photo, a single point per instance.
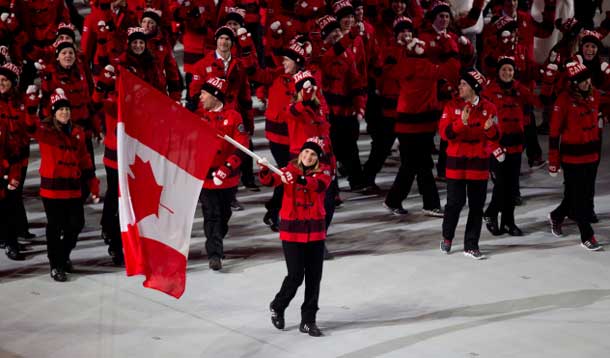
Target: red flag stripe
pixel 165 126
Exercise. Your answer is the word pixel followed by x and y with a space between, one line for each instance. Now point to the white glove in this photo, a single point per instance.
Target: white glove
pixel 241 31
pixel 4 16
pixel 60 91
pixel 605 68
pixel 31 89
pixel 217 180
pixel 360 27
pixel 109 71
pixel 416 45
pixel 39 65
pixel 201 9
pixel 500 154
pixel 579 58
pixel 462 40
pixel 304 4
pixel 275 26
pixel 95 199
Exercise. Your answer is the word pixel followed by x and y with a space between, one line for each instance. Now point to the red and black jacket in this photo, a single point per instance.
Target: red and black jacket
pixel 510 102
pixel 469 146
pixel 65 162
pixel 574 133
pixel 226 122
pixel 302 217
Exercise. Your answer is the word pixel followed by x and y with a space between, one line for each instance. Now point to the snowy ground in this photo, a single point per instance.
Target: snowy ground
pixel 389 292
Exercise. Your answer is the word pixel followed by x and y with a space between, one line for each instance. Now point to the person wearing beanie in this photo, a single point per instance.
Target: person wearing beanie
pixel 302 231
pixel 381 129
pixel 14 153
pixel 62 180
pixel 281 89
pixel 104 33
pixel 526 71
pixel 418 111
pixel 139 60
pixel 305 119
pixel 234 18
pixel 222 63
pixel 510 97
pixel 159 46
pixel 575 128
pixel 344 89
pixel 197 19
pixel 68 73
pixel 353 34
pixel 469 126
pixel 220 185
pixel 16 106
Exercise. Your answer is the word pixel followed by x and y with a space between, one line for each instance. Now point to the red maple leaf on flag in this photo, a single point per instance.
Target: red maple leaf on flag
pixel 144 190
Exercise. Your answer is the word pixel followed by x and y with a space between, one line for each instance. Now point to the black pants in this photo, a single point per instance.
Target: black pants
pixel 579 181
pixel 21 215
pixel 344 133
pixel 216 207
pixel 281 154
pixel 65 220
pixel 506 179
pixel 442 159
pixel 329 201
pixel 457 190
pixel 9 217
pixel 382 135
pixel 532 147
pixel 415 162
pixel 247 172
pixel 303 261
pixel 110 213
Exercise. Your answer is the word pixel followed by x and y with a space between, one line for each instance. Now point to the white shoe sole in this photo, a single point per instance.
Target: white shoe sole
pixel 482 257
pixel 595 249
pixel 551 223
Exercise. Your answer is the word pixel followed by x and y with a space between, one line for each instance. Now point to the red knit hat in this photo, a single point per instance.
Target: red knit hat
pixel 475 79
pixel 505 23
pixel 577 72
pixel 234 13
pixel 59 100
pixel 11 72
pixel 592 37
pixel 327 24
pixel 135 33
pixel 60 45
pixel 295 52
pixel 226 30
pixel 66 29
pixel 402 23
pixel 343 8
pixel 436 8
pixel 301 77
pixel 316 144
pixel 216 87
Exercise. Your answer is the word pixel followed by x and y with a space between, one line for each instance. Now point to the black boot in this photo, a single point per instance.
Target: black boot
pixel 512 230
pixel 311 328
pixel 277 317
pixel 13 253
pixel 271 219
pixel 117 256
pixel 491 222
pixel 59 275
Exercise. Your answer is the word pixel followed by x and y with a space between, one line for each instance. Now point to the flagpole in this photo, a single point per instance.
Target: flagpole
pixel 250 153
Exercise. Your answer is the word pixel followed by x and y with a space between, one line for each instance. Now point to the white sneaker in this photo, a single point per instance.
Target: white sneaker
pixel 475 254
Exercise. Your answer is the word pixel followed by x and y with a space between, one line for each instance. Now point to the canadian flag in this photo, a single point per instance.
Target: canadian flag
pixel 164 153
